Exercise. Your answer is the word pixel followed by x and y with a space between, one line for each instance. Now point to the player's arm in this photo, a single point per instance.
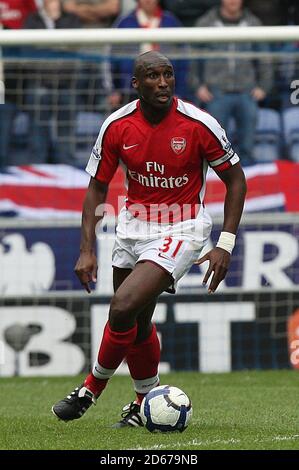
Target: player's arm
pixel 102 165
pixel 234 180
pixel 219 257
pixel 86 266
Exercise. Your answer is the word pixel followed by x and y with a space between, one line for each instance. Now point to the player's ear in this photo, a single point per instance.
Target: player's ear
pixel 135 83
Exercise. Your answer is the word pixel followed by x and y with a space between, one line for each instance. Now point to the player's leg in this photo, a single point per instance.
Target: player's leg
pixel 143 357
pixel 94 382
pixel 131 301
pixel 143 360
pixel 138 289
pixel 75 404
pixel 119 275
pixel 144 325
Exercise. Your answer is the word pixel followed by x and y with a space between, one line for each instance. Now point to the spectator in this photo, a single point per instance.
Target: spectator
pixel 51 15
pixel 13 13
pixel 269 12
pixel 293 12
pixel 148 14
pixel 7 112
pixel 232 87
pixel 12 16
pixel 275 12
pixel 2 86
pixel 50 90
pixel 91 82
pixel 93 13
pixel 187 11
pixel 127 6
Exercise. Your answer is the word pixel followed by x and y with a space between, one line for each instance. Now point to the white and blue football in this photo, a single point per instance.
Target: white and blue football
pixel 166 409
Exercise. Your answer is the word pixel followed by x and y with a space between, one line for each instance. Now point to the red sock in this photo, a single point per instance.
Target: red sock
pixel 96 386
pixel 143 361
pixel 113 350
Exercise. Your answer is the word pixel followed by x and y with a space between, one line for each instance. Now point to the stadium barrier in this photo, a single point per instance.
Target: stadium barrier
pixel 102 36
pixel 54 328
pixel 59 334
pixel 82 70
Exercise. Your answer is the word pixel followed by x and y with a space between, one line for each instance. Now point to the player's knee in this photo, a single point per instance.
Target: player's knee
pixel 121 314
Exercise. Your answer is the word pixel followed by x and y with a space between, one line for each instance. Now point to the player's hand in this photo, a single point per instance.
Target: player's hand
pixel 219 260
pixel 86 269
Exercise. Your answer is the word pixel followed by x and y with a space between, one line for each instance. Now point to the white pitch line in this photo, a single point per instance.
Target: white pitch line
pixel 285 438
pixel 200 443
pixel 194 442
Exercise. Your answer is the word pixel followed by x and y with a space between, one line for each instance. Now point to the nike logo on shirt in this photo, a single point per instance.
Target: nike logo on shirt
pixel 127 147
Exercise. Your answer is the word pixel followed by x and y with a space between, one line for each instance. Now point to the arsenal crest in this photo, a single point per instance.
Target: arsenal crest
pixel 178 144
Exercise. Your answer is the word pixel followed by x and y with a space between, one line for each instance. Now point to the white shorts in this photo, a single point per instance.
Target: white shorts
pixel 173 247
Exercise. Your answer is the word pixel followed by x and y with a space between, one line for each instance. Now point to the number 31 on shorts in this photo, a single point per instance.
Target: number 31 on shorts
pixel 171 245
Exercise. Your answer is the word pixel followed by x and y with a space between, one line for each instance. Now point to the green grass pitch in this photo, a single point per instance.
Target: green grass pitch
pixel 239 410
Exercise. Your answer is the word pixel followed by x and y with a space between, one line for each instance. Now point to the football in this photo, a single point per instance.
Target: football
pixel 166 409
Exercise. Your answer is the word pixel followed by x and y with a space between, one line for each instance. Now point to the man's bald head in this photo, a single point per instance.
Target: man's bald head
pixel 154 81
pixel 147 60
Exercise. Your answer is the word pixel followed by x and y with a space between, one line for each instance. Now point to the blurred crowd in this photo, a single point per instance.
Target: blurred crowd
pixel 97 80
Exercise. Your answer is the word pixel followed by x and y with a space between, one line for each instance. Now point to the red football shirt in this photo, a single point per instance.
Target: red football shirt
pixel 14 12
pixel 165 163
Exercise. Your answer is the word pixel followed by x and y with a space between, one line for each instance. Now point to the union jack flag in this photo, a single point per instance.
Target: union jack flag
pixel 57 191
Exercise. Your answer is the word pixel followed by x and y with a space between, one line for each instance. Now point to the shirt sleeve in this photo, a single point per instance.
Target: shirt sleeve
pixel 103 161
pixel 217 149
